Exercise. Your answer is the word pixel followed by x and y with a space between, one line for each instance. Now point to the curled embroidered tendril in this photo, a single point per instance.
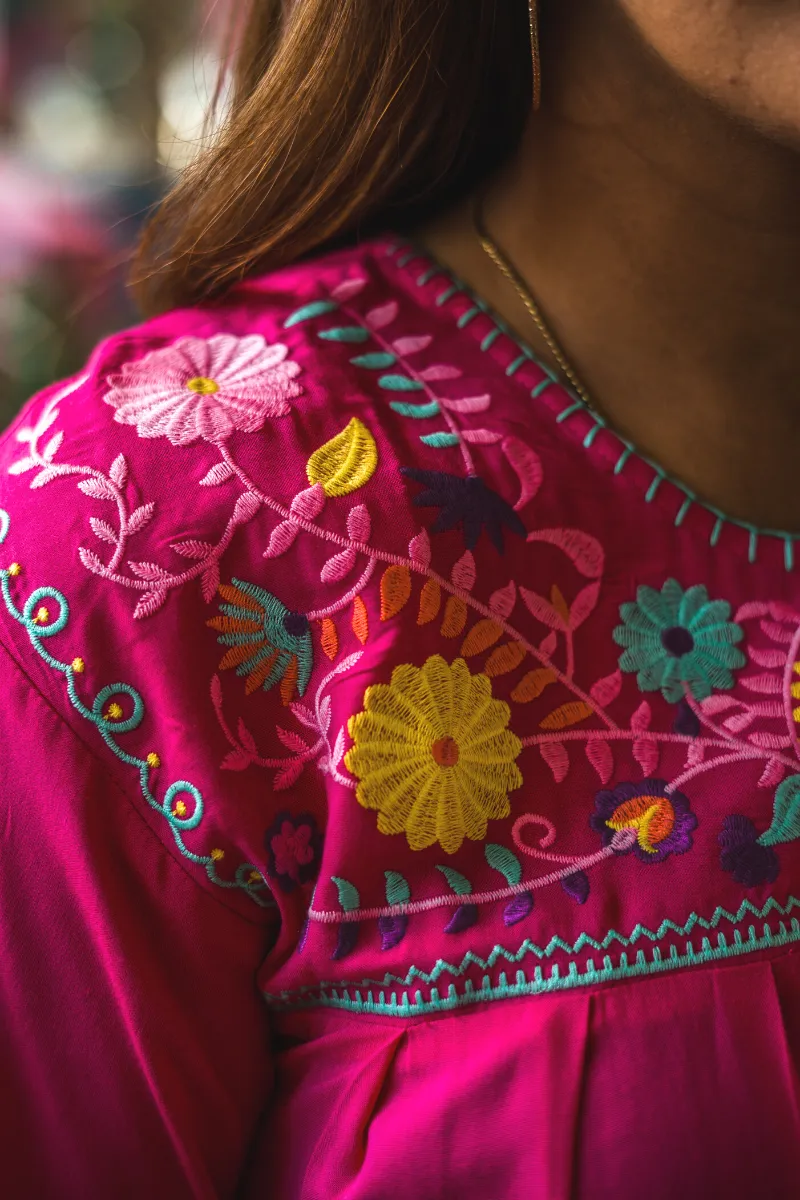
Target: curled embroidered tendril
pixel 623 840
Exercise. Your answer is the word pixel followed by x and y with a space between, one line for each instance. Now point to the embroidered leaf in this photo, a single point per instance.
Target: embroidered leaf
pixel 767 658
pixel 770 685
pixel 528 467
pixel 217 475
pixel 44 477
pixel 308 504
pixel 149 604
pixel 119 471
pixel 307 313
pixel 695 756
pixel 412 345
pixel 359 525
pixel 289 775
pixel 585 551
pixel 98 489
pixel 785 825
pixel 51 449
pixel 465 916
pixel 481 637
pixel 481 437
pixel 543 611
pixel 360 620
pixel 439 372
pixel 600 756
pixel 329 638
pixel 455 617
pixel 441 440
pixel 237 760
pixel 640 721
pixel 338 749
pixel 457 882
pixel 347 940
pixel 392 931
pixel 430 602
pixel 379 318
pixel 504 660
pixel 345 463
pixel 645 751
pixel 291 740
pixel 348 290
pixel 770 741
pixel 374 362
pixel 140 517
pixel 606 690
pixel 773 773
pixel 282 538
pixel 577 886
pixel 419 550
pixel 325 712
pixel 346 333
pixel 778 633
pixel 463 575
pixel 90 560
pixel 22 465
pixel 192 549
pixel 216 691
pixel 584 605
pixel 338 567
pixel 503 601
pixel 395 591
pixel 247 739
pixel 718 703
pixel 146 570
pixel 209 583
pixel 740 721
pixel 518 909
pixel 403 383
pixel 531 686
pixel 304 714
pixel 103 530
pixel 557 759
pixel 418 412
pixel 348 894
pixel 753 608
pixel 470 404
pixel 502 860
pixel 397 889
pixel 569 714
pixel 559 603
pixel 245 508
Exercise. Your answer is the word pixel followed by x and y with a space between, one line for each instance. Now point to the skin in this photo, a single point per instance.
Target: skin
pixel 654 209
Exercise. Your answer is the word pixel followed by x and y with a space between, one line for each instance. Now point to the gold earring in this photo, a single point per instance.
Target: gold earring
pixel 536 52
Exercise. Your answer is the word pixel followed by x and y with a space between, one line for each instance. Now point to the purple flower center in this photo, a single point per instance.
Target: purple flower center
pixel 677 641
pixel 296 624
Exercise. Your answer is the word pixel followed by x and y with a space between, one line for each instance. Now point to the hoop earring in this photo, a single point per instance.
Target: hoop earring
pixel 536 53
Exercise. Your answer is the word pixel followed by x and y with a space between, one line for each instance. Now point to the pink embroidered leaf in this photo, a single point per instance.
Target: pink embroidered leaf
pixel 304 715
pixel 778 633
pixel 751 611
pixel 98 489
pixel 220 473
pixel 140 517
pixel 216 691
pixel 549 645
pixel 543 611
pixel 770 741
pixel 44 477
pixel 149 571
pixel 91 561
pixel 645 751
pixel 740 721
pixel 600 756
pixel 606 690
pixel 348 290
pixel 209 582
pixel 419 550
pixel 359 524
pixel 237 760
pixel 768 708
pixel 773 773
pixel 288 776
pixel 379 318
pixel 585 551
pixel 119 471
pixel 192 548
pixel 528 467
pixel 412 345
pixel 325 713
pixel 463 575
pixel 767 658
pixel 696 755
pixel 481 437
pixel 149 604
pixel 51 449
pixel 246 737
pixel 338 750
pixel 281 539
pixel 440 372
pixel 640 721
pixel 22 465
pixel 718 703
pixel 307 505
pixel 766 685
pixel 503 601
pixel 338 567
pixel 292 741
pixel 103 530
pixel 470 404
pixel 556 756
pixel 584 605
pixel 246 508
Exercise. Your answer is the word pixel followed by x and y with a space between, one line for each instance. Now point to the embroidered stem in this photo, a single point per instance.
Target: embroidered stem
pixel 744 754
pixel 348 598
pixel 622 841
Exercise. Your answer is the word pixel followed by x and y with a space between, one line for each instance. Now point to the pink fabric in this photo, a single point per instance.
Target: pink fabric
pixel 346 659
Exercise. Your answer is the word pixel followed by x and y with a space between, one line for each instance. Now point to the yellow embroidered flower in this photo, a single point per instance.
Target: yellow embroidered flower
pixel 433 755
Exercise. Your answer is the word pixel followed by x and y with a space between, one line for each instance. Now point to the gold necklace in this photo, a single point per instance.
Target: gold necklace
pixel 507 268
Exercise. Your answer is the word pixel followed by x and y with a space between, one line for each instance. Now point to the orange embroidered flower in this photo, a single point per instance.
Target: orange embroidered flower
pixel 662 820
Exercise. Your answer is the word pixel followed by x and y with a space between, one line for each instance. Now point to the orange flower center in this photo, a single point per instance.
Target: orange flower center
pixel 445 752
pixel 202 386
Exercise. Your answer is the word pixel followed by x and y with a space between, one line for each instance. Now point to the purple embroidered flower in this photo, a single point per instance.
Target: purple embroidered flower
pixel 661 820
pixel 741 856
pixel 294 849
pixel 205 389
pixel 467 502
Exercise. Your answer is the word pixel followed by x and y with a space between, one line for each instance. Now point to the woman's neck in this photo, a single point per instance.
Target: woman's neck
pixel 662 242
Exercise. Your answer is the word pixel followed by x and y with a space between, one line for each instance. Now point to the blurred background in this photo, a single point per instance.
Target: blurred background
pixel 101 102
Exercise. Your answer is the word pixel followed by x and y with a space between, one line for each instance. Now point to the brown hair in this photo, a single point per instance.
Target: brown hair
pixel 348 115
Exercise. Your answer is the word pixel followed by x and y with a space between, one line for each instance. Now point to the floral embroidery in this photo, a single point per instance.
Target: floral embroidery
pixel 294 848
pixel 466 502
pixel 434 755
pixel 675 638
pixel 205 389
pixel 346 462
pixel 269 645
pixel 661 819
pixel 743 857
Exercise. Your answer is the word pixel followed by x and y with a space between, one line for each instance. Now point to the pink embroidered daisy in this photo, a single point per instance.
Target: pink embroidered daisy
pixel 205 389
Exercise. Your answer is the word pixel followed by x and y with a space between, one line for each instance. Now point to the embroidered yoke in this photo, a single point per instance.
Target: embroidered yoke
pixel 401 778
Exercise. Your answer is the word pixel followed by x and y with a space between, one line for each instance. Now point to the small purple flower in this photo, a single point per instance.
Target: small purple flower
pixel 294 849
pixel 467 502
pixel 661 819
pixel 741 856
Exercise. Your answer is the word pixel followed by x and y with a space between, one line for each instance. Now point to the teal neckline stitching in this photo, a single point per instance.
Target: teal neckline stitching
pixel 37 633
pixel 339 995
pixel 458 286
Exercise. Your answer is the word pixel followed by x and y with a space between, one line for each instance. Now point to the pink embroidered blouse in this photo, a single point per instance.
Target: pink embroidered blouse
pixel 400 775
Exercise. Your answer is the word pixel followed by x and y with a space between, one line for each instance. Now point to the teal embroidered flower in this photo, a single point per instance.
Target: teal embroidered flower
pixel 675 639
pixel 267 643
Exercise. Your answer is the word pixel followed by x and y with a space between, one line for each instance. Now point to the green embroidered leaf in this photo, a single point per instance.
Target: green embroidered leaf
pixel 374 362
pixel 440 439
pixel 419 412
pixel 460 885
pixel 350 333
pixel 785 825
pixel 505 862
pixel 397 889
pixel 348 895
pixel 309 311
pixel 400 383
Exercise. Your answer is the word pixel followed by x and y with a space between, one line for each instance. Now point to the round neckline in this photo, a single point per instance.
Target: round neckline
pixel 589 425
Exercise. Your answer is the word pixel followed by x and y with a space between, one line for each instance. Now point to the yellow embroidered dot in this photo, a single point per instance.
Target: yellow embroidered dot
pixel 217 855
pixel 179 810
pixel 114 712
pixel 15 569
pixel 202 386
pixel 153 760
pixel 78 666
pixel 254 877
pixel 434 756
pixel 42 616
pixel 796 693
